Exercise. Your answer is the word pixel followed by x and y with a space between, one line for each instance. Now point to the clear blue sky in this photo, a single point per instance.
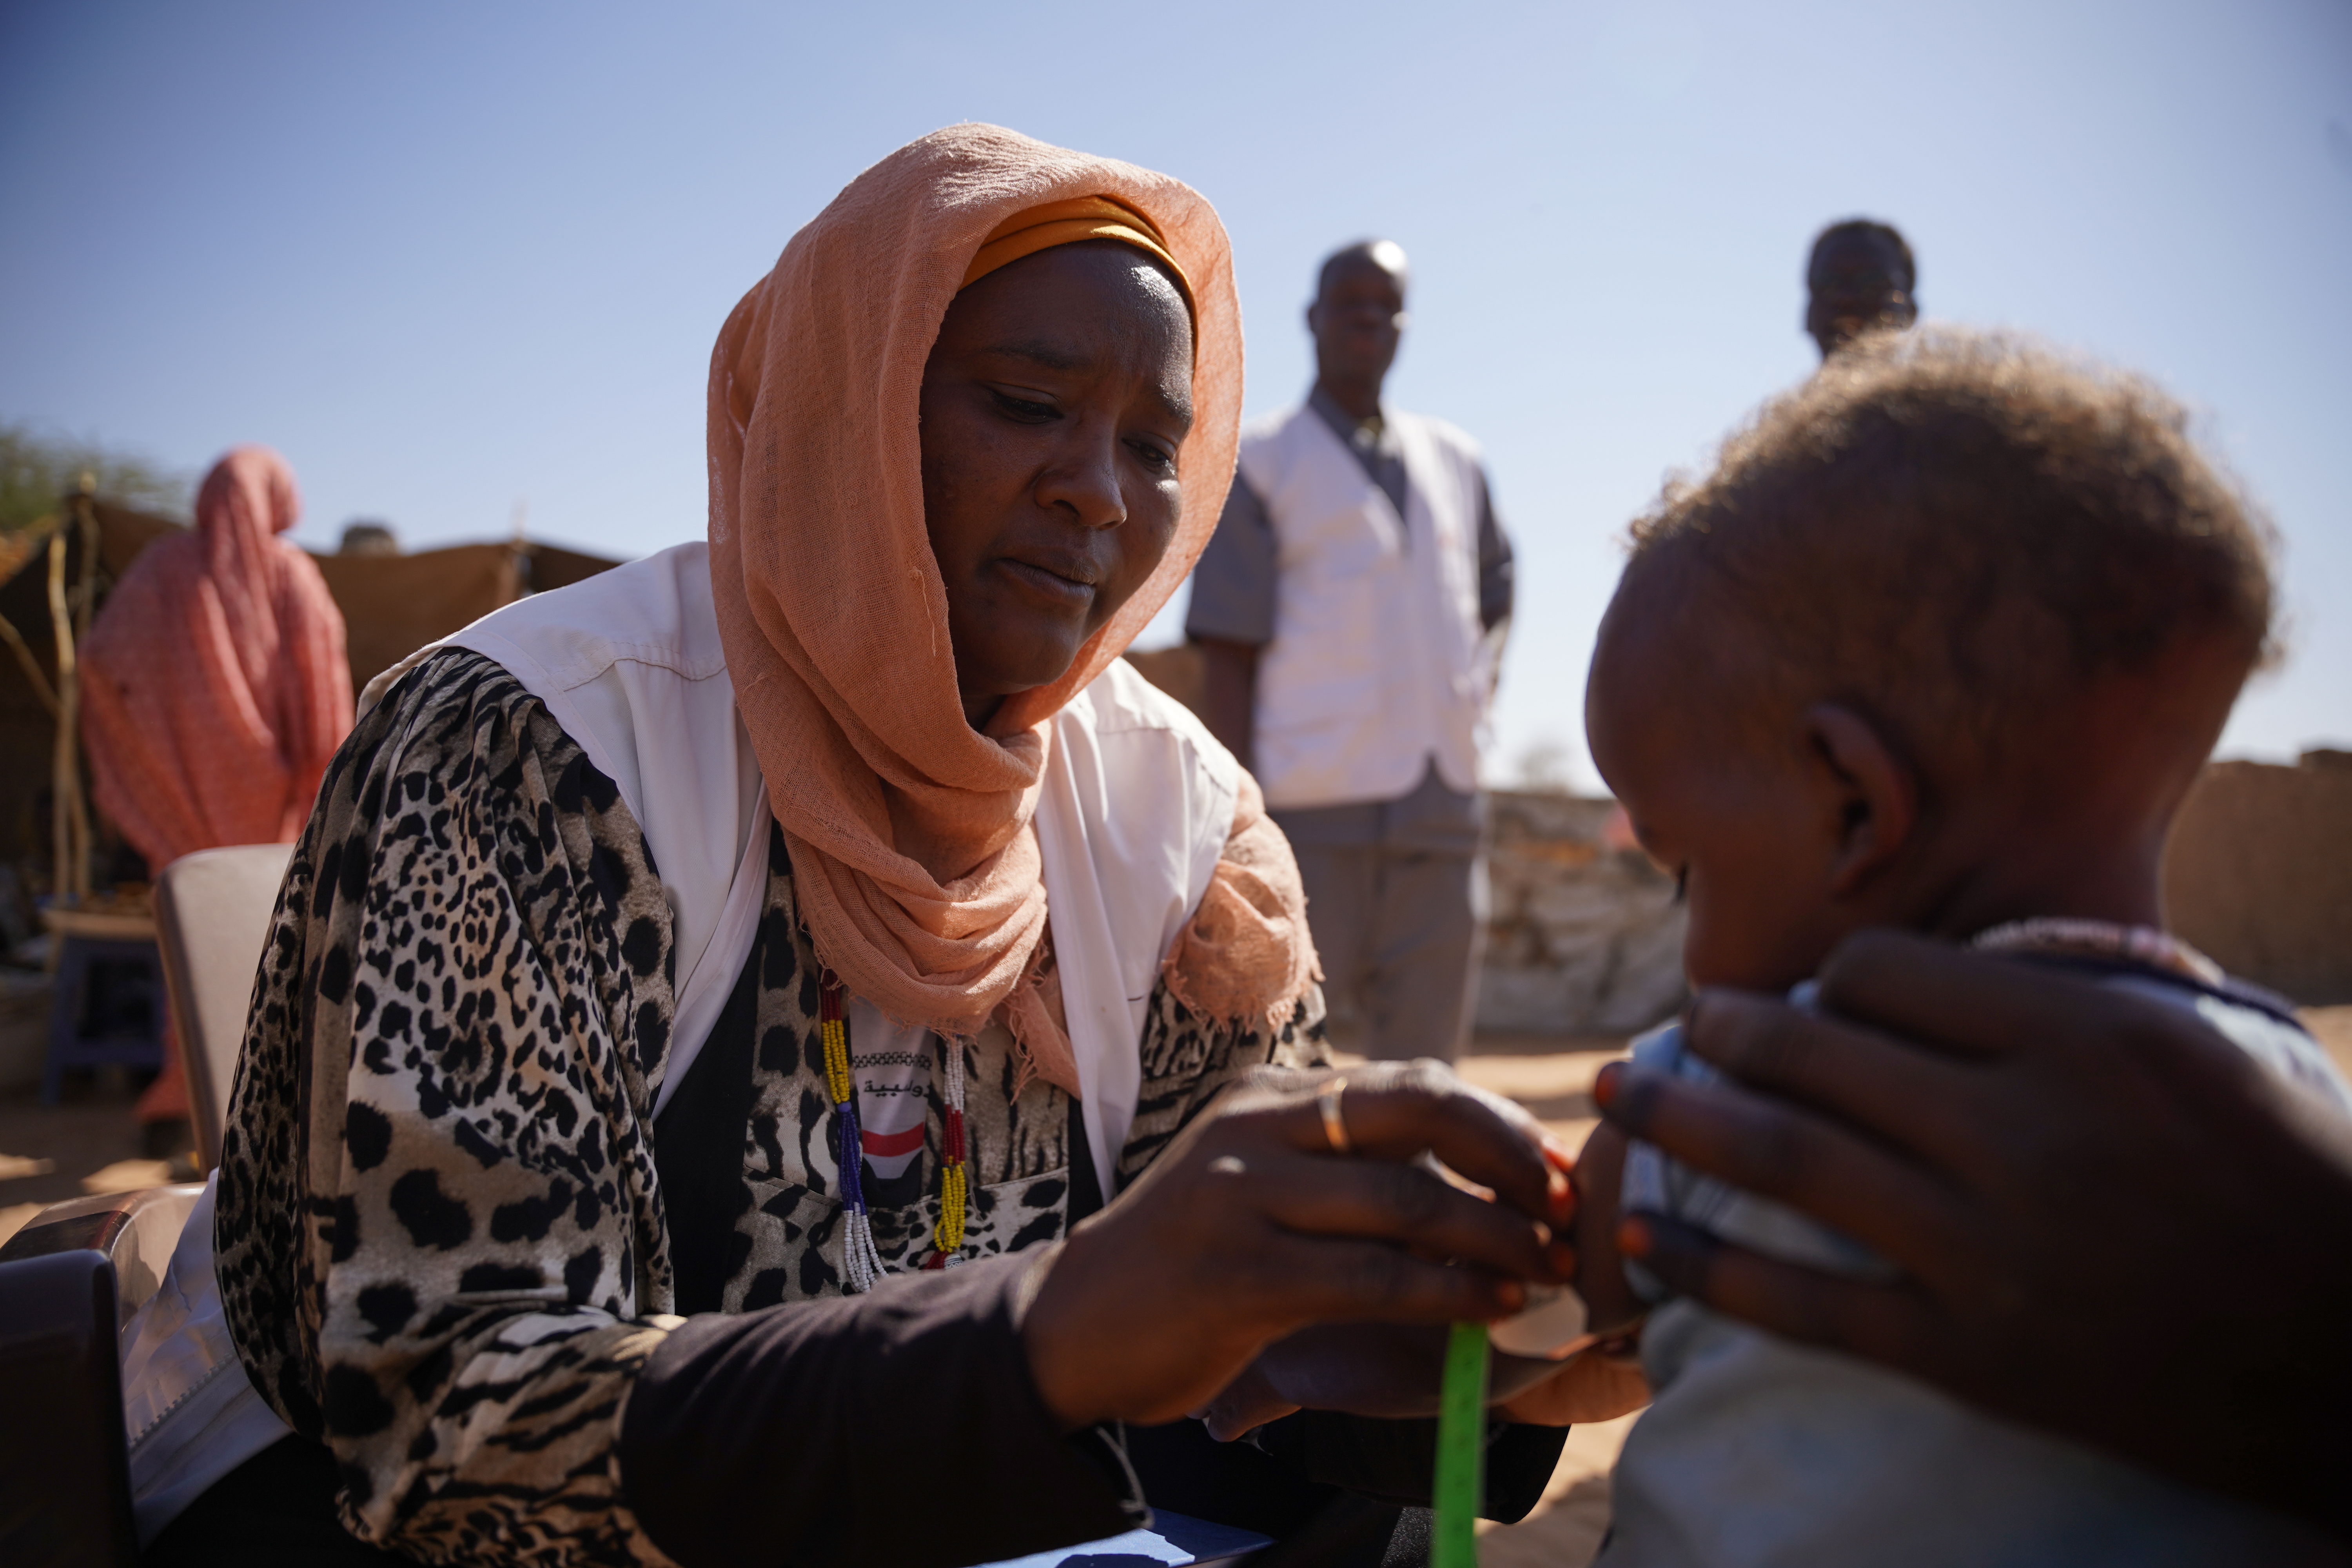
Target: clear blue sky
pixel 448 258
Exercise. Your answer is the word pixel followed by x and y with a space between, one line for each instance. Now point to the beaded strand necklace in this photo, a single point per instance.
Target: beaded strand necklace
pixel 947 1237
pixel 2103 939
pixel 860 1258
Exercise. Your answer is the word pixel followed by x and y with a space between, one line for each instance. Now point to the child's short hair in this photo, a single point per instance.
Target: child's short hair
pixel 1962 511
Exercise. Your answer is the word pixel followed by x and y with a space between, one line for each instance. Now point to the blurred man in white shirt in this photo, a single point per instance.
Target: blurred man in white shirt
pixel 1351 610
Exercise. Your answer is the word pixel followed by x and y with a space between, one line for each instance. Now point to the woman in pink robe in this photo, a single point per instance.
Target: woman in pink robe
pixel 213 685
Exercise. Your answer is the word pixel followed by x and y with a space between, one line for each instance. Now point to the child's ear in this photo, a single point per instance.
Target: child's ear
pixel 1877 795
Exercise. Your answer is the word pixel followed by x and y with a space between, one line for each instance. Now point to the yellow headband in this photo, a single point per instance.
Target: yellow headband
pixel 1027 232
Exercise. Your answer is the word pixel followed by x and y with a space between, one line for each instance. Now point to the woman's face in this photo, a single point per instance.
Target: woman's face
pixel 1053 405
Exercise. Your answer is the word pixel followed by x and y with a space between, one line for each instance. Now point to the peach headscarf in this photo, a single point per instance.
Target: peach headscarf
pixel 214 686
pixel 914 860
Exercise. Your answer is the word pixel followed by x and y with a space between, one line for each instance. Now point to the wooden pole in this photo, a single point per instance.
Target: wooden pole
pixel 70 625
pixel 33 677
pixel 84 607
pixel 61 754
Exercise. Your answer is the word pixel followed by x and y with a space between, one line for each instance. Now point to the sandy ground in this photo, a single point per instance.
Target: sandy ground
pixel 52 1152
pixel 2334 1027
pixel 92 1144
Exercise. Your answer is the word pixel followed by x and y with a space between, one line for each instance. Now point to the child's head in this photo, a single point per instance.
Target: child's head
pixel 1941 642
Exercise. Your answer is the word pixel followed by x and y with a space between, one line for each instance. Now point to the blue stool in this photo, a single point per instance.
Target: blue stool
pixel 80 1035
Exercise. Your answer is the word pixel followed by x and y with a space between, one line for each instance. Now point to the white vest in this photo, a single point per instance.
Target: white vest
pixel 1137 806
pixel 1378 660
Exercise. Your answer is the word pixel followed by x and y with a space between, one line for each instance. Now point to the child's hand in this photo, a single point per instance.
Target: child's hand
pixel 1608 1298
pixel 1593 1385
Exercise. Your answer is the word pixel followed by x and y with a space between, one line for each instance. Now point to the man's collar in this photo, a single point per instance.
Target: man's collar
pixel 1368 434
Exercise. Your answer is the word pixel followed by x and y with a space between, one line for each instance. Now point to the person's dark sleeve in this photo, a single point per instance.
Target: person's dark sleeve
pixel 1496 571
pixel 899 1426
pixel 1233 584
pixel 1397 1460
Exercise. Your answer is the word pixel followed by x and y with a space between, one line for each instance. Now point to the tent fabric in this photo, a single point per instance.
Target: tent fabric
pixel 553 567
pixel 394 605
pixel 214 688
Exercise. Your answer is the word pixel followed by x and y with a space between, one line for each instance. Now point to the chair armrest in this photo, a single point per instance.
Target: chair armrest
pixel 65 1480
pixel 136 1231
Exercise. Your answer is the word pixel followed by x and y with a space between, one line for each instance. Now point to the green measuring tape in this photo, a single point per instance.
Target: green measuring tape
pixel 1460 1483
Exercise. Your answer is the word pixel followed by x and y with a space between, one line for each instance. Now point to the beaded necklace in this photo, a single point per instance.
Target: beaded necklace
pixel 861 1259
pixel 2103 938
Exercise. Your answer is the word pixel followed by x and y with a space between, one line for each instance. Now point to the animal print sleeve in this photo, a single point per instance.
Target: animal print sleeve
pixel 1188 1060
pixel 440 1246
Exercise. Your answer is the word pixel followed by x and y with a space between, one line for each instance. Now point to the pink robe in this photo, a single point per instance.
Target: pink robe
pixel 214 684
pixel 215 688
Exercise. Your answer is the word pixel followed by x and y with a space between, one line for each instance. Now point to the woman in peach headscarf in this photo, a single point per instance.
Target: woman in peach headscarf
pixel 758 930
pixel 213 686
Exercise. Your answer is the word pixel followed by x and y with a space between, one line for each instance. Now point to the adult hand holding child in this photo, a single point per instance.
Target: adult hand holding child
pixel 2112 1225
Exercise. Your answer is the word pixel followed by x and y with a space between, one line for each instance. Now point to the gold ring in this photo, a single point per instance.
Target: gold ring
pixel 1335 1125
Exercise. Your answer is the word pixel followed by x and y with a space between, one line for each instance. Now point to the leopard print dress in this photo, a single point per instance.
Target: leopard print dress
pixel 440 1238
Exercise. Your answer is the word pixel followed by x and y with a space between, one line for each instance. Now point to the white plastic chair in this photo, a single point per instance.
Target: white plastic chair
pixel 212 922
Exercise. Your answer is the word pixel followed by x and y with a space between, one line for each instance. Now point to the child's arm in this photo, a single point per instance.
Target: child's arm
pixel 1595 1384
pixel 1609 1303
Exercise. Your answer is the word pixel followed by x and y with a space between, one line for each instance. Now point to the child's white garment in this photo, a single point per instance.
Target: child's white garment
pixel 1758 1451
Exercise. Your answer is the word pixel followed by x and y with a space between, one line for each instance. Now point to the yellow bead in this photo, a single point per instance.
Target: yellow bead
pixel 948 1234
pixel 837 1060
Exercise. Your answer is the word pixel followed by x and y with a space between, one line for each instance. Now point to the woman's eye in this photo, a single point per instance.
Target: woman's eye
pixel 1023 407
pixel 1158 459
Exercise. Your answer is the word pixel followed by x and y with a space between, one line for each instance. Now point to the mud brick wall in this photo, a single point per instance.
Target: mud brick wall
pixel 1583 934
pixel 2259 874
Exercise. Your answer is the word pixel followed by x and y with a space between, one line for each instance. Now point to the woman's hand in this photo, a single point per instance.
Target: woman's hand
pixel 1251 1226
pixel 2111 1222
pixel 1244 1405
pixel 1392 1371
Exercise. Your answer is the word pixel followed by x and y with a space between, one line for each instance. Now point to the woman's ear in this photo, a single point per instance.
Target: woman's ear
pixel 1876 794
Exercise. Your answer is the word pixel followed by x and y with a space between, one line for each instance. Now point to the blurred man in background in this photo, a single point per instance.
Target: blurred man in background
pixel 1860 278
pixel 1349 611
